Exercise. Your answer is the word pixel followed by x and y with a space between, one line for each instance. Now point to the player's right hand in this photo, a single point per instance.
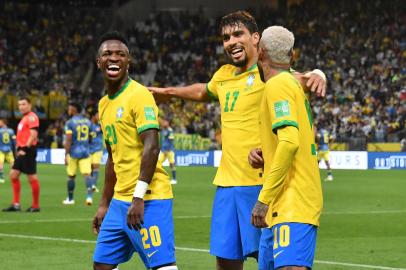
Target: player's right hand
pixel 135 214
pixel 255 158
pixel 98 219
pixel 160 94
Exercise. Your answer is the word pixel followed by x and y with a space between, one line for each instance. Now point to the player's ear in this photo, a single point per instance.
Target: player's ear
pixel 98 62
pixel 255 38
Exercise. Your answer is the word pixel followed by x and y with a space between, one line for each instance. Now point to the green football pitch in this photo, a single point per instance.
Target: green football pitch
pixel 363 225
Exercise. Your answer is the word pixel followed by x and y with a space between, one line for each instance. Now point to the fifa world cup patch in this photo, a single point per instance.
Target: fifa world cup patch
pixel 282 108
pixel 149 113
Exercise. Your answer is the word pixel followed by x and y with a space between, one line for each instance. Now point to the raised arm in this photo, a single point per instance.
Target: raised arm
pixel 108 191
pixel 135 214
pixel 195 92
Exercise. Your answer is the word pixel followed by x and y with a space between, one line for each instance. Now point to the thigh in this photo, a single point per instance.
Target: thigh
pixel 113 245
pixel 96 157
pixel 250 235
pixel 265 254
pixel 171 157
pixel 157 234
pixel 85 166
pixel 72 166
pixel 294 244
pixel 225 240
pixel 2 157
pixel 9 158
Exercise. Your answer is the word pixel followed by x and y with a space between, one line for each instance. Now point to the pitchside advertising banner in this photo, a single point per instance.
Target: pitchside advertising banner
pixel 355 160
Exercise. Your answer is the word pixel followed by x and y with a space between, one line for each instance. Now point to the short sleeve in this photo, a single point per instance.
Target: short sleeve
pixel 68 128
pixel 212 86
pixel 145 111
pixel 33 121
pixel 282 104
pixel 171 135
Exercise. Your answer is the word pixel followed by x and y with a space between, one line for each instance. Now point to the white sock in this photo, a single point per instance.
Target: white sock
pixel 170 267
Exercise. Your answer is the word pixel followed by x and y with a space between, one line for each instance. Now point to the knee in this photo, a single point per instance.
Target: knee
pixel 13 175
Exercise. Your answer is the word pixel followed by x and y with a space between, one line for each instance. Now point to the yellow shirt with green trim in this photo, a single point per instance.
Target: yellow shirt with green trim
pixel 284 104
pixel 123 117
pixel 239 96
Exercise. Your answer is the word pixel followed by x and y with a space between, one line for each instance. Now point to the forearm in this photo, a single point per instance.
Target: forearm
pixel 195 92
pixel 148 162
pixel 110 180
pixel 281 163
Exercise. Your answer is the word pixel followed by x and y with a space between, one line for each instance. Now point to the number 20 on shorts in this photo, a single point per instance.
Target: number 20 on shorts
pixel 153 234
pixel 281 236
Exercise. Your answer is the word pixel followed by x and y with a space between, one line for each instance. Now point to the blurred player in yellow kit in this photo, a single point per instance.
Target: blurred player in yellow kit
pixel 324 138
pixel 167 148
pixel 290 202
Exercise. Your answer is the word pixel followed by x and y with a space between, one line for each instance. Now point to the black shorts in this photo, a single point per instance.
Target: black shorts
pixel 28 163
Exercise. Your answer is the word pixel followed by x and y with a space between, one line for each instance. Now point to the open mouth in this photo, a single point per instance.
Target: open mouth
pixel 236 53
pixel 113 70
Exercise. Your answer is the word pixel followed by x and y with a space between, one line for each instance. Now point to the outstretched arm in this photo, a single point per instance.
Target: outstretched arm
pixel 195 92
pixel 313 81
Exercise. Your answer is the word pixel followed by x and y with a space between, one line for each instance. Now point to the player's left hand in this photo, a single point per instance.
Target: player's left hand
pixel 21 153
pixel 258 215
pixel 316 82
pixel 135 214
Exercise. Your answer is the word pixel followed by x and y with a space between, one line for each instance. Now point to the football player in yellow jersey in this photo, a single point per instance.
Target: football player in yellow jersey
pixel 290 201
pixel 135 211
pixel 239 89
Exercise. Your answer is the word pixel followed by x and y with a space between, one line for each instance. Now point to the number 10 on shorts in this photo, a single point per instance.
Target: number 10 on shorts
pixel 281 238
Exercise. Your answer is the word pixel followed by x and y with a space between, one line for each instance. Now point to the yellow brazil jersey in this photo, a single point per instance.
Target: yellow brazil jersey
pixel 285 104
pixel 123 117
pixel 239 96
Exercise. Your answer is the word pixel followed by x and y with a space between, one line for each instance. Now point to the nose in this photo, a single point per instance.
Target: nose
pixel 113 57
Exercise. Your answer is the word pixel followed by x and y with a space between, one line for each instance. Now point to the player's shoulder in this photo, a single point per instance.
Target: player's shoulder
pixel 224 72
pixel 284 81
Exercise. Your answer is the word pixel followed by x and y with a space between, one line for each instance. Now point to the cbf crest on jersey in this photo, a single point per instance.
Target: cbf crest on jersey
pixel 119 113
pixel 250 80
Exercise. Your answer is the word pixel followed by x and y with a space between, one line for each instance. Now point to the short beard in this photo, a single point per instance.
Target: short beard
pixel 241 63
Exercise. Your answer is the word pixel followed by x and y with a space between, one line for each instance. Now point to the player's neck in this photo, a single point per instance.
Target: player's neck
pixel 250 64
pixel 115 86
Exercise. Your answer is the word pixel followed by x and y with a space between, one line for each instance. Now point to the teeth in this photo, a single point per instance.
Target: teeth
pixel 113 67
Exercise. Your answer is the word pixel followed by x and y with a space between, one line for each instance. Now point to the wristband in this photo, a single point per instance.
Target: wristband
pixel 320 73
pixel 140 189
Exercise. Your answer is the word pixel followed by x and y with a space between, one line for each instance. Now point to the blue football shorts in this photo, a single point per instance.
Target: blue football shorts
pixel 154 243
pixel 232 236
pixel 287 244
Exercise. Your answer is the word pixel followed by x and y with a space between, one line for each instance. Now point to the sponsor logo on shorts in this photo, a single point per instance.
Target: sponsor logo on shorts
pixel 277 254
pixel 152 253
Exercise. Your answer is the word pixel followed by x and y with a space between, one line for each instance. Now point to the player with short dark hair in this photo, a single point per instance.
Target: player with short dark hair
pixel 77 132
pixel 96 147
pixel 135 211
pixel 290 202
pixel 27 139
pixel 7 143
pixel 238 88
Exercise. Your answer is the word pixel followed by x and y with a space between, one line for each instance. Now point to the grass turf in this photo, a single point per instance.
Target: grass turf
pixel 363 222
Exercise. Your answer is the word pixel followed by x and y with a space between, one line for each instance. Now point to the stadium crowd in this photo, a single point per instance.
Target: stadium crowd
pixel 362 54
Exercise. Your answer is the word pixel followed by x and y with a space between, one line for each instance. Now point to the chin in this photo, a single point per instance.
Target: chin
pixel 241 63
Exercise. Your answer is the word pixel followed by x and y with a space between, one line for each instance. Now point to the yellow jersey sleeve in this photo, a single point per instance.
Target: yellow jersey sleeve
pixel 145 111
pixel 212 87
pixel 282 103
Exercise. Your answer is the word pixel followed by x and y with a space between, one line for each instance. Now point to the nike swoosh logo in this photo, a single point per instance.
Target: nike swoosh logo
pixel 151 254
pixel 277 254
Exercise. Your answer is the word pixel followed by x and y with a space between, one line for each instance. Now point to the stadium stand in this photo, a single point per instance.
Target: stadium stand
pixel 45 50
